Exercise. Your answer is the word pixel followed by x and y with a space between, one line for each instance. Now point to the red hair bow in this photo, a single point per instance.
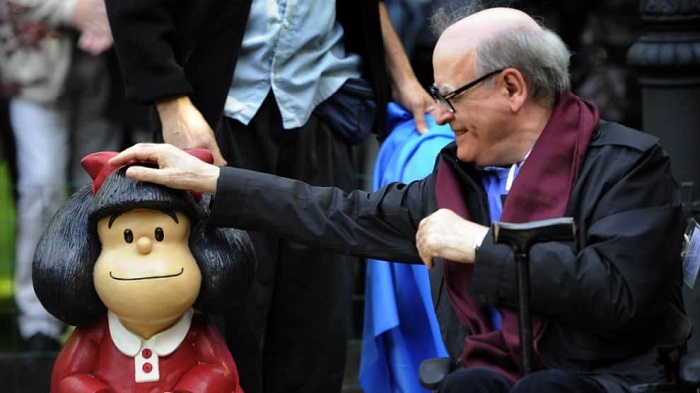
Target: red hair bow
pixel 97 166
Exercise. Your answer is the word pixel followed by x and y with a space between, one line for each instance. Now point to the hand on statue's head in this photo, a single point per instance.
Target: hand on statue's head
pixel 175 168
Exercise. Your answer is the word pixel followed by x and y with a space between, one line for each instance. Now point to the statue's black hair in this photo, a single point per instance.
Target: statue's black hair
pixel 68 249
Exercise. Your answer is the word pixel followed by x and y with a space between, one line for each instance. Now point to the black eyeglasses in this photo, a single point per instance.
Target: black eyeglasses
pixel 445 99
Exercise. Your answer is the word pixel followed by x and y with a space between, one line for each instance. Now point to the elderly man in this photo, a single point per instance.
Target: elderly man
pixel 502 84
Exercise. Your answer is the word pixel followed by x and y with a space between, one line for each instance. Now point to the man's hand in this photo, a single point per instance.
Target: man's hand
pixel 90 18
pixel 412 96
pixel 176 168
pixel 446 235
pixel 405 88
pixel 95 42
pixel 185 127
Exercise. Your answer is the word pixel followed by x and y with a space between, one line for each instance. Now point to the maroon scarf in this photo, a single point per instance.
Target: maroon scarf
pixel 541 190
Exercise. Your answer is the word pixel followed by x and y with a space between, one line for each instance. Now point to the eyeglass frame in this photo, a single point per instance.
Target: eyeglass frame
pixel 445 99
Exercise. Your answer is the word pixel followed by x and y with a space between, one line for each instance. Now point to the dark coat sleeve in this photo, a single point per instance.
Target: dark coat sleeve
pixel 168 48
pixel 148 41
pixel 380 225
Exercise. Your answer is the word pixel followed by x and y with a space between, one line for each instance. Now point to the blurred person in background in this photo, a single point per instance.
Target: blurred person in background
pixel 55 77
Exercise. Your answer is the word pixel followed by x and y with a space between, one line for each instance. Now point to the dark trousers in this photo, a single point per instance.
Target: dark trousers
pixel 290 333
pixel 479 380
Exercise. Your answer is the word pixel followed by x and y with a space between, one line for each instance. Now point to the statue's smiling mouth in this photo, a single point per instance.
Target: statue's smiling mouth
pixel 182 269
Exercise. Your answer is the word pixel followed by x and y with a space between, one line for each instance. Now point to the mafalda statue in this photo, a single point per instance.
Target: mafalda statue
pixel 135 267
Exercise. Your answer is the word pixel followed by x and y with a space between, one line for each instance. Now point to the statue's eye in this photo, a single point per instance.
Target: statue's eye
pixel 128 236
pixel 159 234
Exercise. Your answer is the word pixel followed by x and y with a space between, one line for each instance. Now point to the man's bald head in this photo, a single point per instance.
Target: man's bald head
pixel 473 29
pixel 498 38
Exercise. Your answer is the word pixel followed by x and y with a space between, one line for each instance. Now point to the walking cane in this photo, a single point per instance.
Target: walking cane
pixel 520 237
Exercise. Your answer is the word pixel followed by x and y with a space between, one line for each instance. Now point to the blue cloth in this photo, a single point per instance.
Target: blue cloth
pixel 400 327
pixel 286 50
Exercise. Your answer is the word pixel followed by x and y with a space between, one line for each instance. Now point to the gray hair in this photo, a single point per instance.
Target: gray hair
pixel 540 55
pixel 450 12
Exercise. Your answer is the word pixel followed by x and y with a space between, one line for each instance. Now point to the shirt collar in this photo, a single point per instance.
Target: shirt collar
pixel 163 343
pixel 508 173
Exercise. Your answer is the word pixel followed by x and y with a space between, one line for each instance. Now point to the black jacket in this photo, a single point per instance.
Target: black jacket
pixel 175 47
pixel 606 299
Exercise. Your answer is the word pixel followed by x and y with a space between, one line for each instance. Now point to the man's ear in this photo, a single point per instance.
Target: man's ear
pixel 514 83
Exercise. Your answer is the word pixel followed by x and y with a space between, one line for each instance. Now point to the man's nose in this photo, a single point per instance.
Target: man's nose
pixel 144 245
pixel 442 115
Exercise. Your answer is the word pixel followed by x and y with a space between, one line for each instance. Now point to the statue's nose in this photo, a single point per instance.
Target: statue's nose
pixel 144 245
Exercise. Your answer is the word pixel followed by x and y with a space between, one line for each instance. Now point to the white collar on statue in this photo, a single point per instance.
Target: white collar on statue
pixel 163 343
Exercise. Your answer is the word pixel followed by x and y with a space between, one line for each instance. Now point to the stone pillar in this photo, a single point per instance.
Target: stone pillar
pixel 667 56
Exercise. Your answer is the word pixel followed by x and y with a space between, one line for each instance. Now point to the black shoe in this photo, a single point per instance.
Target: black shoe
pixel 41 343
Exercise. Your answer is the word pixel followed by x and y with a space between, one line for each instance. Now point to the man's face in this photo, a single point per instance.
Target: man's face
pixel 146 271
pixel 480 117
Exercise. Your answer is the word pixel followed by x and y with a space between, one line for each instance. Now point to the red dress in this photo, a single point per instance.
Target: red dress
pixel 91 362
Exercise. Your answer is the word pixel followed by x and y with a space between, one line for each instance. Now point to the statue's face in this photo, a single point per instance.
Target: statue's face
pixel 146 273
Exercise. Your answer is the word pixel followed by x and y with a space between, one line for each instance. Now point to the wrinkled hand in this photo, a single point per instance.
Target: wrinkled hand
pixel 412 96
pixel 90 18
pixel 176 168
pixel 185 127
pixel 444 234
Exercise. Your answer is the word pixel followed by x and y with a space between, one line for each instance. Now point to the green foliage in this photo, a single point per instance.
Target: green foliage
pixel 7 235
pixel 9 336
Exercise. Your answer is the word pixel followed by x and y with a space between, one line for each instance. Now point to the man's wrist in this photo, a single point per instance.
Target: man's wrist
pixel 210 179
pixel 167 106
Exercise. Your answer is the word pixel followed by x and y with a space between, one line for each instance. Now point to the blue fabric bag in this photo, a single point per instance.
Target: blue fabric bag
pixel 351 111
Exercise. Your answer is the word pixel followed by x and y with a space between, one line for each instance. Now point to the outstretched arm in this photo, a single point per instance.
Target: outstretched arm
pixel 381 225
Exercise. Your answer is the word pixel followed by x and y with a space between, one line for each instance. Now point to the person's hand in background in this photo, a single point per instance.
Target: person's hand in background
pixel 90 18
pixel 185 127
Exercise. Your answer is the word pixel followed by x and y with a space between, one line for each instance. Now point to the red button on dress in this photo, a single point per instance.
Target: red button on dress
pixel 147 367
pixel 146 353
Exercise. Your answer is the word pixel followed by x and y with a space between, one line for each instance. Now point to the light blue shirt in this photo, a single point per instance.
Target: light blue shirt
pixel 497 182
pixel 295 48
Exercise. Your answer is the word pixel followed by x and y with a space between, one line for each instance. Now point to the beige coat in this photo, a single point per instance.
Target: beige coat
pixel 35 53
